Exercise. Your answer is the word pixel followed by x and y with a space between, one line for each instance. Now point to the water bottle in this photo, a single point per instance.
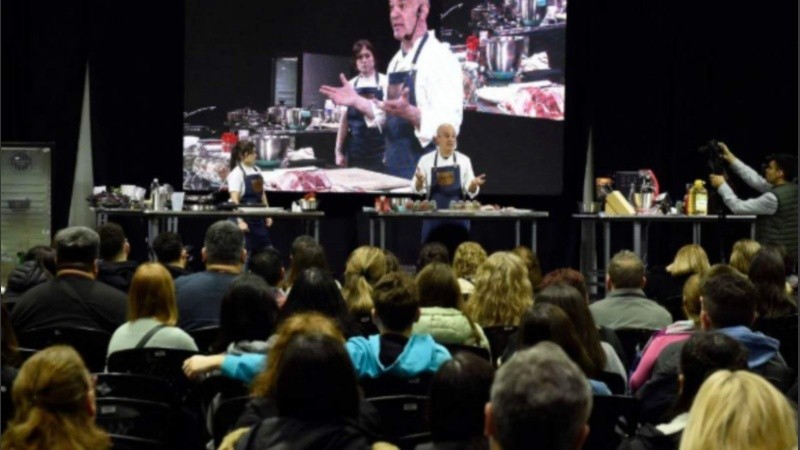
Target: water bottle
pixel 154 195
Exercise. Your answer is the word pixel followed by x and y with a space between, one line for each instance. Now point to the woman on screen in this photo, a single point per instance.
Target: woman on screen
pixel 246 186
pixel 356 144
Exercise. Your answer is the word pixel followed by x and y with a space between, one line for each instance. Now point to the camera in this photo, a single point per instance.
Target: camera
pixel 714 154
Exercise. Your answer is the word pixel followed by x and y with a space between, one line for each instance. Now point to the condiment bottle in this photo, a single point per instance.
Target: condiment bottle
pixel 698 199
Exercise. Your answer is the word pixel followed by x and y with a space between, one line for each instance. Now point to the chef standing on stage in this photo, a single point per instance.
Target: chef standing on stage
pixel 246 186
pixel 425 90
pixel 445 175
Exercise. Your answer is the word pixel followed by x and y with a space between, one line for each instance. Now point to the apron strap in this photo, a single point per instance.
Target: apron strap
pixel 416 55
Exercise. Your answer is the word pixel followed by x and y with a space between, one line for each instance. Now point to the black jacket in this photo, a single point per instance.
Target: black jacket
pixel 287 433
pixel 22 278
pixel 647 437
pixel 117 274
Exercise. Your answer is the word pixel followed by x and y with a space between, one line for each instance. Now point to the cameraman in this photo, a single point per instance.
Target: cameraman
pixel 776 206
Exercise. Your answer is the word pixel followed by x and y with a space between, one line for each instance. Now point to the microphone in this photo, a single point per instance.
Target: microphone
pixel 408 36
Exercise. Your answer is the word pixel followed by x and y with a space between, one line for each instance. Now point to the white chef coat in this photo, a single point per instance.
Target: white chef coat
pixel 236 177
pixel 425 164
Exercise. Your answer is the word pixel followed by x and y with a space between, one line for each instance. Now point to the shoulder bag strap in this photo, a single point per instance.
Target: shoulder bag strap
pixel 71 293
pixel 146 338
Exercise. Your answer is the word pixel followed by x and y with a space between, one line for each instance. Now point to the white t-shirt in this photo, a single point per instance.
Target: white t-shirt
pixel 236 178
pixel 425 164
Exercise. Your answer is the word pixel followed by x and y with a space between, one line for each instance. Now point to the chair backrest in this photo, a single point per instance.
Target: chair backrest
pixel 205 338
pixel 136 418
pixel 90 343
pixel 390 385
pixel 411 441
pixel 225 416
pixel 135 386
pixel 221 388
pixel 402 415
pixel 477 351
pixel 612 417
pixel 498 337
pixel 120 442
pixel 164 363
pixel 633 341
pixel 614 381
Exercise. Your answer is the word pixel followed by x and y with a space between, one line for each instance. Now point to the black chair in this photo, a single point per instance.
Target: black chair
pixel 135 386
pixel 225 416
pixel 163 363
pixel 389 385
pixel 498 337
pixel 477 351
pixel 205 338
pixel 612 417
pixel 137 418
pixel 633 341
pixel 217 388
pixel 402 415
pixel 120 442
pixel 90 343
pixel 614 381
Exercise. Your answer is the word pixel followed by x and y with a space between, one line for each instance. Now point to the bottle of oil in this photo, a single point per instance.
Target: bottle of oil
pixel 698 199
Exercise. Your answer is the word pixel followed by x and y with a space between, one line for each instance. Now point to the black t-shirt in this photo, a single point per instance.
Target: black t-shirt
pixel 392 345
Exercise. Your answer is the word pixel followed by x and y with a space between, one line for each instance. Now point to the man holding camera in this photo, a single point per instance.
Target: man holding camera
pixel 776 206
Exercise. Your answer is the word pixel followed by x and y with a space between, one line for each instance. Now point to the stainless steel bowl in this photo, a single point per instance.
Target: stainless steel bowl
pixel 272 147
pixel 294 118
pixel 526 11
pixel 503 55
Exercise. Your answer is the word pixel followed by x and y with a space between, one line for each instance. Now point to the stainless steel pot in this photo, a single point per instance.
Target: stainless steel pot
pixel 277 115
pixel 272 147
pixel 526 11
pixel 294 118
pixel 503 55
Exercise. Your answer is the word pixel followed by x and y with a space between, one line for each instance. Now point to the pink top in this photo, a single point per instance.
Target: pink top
pixel 677 332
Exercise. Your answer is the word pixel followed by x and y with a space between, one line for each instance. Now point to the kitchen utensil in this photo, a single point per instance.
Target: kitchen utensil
pixel 642 201
pixel 271 147
pixel 177 201
pixel 527 12
pixel 503 55
pixel 294 118
pixel 309 204
pixel 589 207
pixel 128 189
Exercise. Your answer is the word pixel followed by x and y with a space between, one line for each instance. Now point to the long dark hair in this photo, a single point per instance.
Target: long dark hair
pixel 767 272
pixel 248 312
pixel 240 150
pixel 548 322
pixel 315 290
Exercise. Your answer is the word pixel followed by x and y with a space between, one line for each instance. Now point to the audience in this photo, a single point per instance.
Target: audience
pixel 432 252
pixel 392 263
pixel 38 266
pixel 152 314
pixel 441 309
pixel 304 254
pixel 742 253
pixel 539 400
pixel 267 264
pixel 200 294
pixel 114 268
pixel 315 290
pixel 466 260
pixel 625 305
pixel 247 316
pixel 170 252
pixel 502 291
pixel 74 298
pixel 532 263
pixel 739 411
pixel 365 266
pixel 663 285
pixel 54 405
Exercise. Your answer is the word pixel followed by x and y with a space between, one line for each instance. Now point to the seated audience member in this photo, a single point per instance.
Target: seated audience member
pixel 74 298
pixel 547 322
pixel 315 290
pixel 625 305
pixel 304 254
pixel 678 331
pixel 365 266
pixel 54 404
pixel 316 396
pixel 532 263
pixel 540 400
pixel 739 411
pixel 392 263
pixel 247 316
pixel 267 264
pixel 38 266
pixel 502 291
pixel 703 354
pixel 152 313
pixel 441 309
pixel 666 283
pixel 170 252
pixel 432 252
pixel 728 306
pixel 114 268
pixel 742 253
pixel 200 294
pixel 458 397
pixel 468 256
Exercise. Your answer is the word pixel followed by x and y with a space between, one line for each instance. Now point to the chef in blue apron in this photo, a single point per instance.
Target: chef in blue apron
pixel 425 90
pixel 357 144
pixel 445 175
pixel 246 187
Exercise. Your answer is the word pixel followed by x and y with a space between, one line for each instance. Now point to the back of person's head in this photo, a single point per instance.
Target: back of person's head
pixel 467 258
pixel 502 291
pixel 267 264
pixel 728 300
pixel 365 266
pixel 301 323
pixel 38 266
pixel 392 263
pixel 548 322
pixel 569 276
pixel 54 404
pixel 168 247
pixel 152 294
pixel 459 393
pixel 316 380
pixel 77 248
pixel 112 240
pixel 767 273
pixel 301 242
pixel 432 252
pixel 224 243
pixel 739 411
pixel 787 163
pixel 691 298
pixel 240 151
pixel 539 399
pixel 626 270
pixel 703 354
pixel 437 286
pixel 315 291
pixel 306 257
pixel 532 263
pixel 690 258
pixel 742 253
pixel 44 255
pixel 248 312
pixel 396 302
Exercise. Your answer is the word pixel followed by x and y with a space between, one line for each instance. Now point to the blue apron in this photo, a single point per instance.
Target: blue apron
pixel 403 149
pixel 258 236
pixel 364 146
pixel 445 186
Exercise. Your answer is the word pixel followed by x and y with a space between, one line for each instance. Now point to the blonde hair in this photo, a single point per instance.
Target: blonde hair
pixel 502 291
pixel 365 266
pixel 532 263
pixel 469 255
pixel 689 259
pixel 301 323
pixel 742 253
pixel 152 294
pixel 738 411
pixel 691 298
pixel 52 395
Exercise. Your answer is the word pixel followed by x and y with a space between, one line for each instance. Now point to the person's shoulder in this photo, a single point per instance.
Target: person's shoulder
pixel 463 156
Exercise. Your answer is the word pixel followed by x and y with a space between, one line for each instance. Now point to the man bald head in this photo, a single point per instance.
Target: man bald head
pixel 446 139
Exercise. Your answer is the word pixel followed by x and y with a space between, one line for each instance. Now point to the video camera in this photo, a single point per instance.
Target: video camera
pixel 714 154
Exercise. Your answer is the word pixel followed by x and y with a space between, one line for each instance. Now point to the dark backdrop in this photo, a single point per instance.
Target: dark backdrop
pixel 653 80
